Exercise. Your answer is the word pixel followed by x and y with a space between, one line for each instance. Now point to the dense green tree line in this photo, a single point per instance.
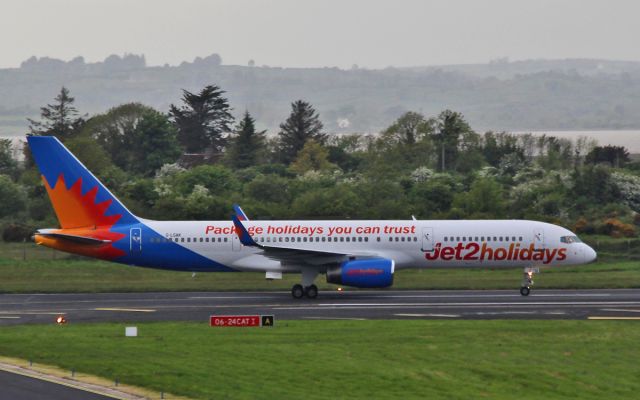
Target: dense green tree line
pixel 195 161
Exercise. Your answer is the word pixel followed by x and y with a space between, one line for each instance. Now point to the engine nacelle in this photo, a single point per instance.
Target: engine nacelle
pixel 368 273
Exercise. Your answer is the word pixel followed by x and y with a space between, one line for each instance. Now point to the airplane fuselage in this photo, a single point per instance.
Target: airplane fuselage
pixel 410 243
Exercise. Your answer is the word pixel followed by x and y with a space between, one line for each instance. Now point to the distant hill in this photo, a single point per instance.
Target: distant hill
pixel 522 95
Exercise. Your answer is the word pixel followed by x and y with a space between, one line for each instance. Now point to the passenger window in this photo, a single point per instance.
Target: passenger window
pixel 397 239
pixel 366 239
pixel 495 239
pixel 225 240
pixel 457 238
pixel 464 238
pixel 513 238
pixel 415 239
pixel 482 238
pixel 391 239
pixel 280 239
pixel 506 239
pixel 323 238
pixel 359 239
pixel 402 238
pixel 286 239
pixel 342 239
pixel 378 239
pixel 521 238
pixel 304 239
pixel 347 238
pixel 445 238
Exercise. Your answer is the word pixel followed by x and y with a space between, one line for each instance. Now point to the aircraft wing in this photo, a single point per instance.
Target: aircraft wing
pixel 293 254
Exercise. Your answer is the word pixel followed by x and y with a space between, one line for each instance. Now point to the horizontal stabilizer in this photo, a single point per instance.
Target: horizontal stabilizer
pixel 73 238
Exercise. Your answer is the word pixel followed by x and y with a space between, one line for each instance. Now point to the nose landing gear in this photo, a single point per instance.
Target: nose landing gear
pixel 527 280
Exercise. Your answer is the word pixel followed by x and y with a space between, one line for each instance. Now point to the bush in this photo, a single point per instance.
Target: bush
pixel 616 228
pixel 17 233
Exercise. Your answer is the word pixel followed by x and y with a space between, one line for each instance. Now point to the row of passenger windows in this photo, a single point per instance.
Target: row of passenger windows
pixel 482 238
pixel 269 239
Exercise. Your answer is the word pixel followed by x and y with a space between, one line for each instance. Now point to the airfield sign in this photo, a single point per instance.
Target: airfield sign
pixel 241 320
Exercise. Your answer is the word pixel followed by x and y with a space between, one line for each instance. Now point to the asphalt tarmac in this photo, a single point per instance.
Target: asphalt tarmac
pixel 349 304
pixel 20 387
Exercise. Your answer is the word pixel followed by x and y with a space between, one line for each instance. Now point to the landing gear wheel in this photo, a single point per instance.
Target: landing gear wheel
pixel 312 291
pixel 297 291
pixel 525 291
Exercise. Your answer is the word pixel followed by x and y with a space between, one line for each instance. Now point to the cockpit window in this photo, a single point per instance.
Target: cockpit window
pixel 570 239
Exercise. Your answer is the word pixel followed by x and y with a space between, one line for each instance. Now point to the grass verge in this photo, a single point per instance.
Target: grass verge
pixel 351 359
pixel 78 275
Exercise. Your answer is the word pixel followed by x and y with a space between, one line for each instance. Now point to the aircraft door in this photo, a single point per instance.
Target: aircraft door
pixel 538 239
pixel 235 243
pixel 135 240
pixel 427 239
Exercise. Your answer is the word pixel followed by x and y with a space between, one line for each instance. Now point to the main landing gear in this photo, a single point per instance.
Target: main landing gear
pixel 298 292
pixel 527 281
pixel 307 288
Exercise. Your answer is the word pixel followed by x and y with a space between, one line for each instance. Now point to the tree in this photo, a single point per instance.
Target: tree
pixel 12 197
pixel 138 138
pixel 312 157
pixel 246 145
pixel 451 126
pixel 409 128
pixel 616 156
pixel 483 200
pixel 203 119
pixel 302 125
pixel 58 119
pixel 153 144
pixel 8 164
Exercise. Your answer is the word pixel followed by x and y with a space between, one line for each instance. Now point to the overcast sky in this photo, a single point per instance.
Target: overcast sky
pixel 307 33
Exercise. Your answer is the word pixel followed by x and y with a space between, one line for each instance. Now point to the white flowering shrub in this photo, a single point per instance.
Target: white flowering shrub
pixel 629 186
pixel 487 172
pixel 163 189
pixel 422 174
pixel 168 170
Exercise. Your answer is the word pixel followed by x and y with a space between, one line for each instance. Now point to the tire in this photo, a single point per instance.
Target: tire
pixel 312 291
pixel 525 291
pixel 297 291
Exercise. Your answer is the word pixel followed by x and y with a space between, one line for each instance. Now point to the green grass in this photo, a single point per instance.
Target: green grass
pixel 44 270
pixel 351 359
pixel 70 275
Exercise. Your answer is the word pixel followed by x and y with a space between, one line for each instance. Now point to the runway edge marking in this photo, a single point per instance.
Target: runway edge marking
pixel 97 384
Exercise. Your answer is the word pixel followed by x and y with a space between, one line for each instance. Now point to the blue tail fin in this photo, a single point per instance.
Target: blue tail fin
pixel 78 197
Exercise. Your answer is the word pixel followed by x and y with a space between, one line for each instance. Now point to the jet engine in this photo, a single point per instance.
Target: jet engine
pixel 366 273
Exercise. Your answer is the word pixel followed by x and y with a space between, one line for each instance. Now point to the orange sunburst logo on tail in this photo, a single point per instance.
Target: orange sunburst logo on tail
pixel 80 215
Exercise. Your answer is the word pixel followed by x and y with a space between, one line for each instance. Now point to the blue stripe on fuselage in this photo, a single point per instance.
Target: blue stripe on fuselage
pixel 163 255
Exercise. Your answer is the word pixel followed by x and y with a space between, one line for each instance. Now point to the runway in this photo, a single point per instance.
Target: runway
pixel 381 304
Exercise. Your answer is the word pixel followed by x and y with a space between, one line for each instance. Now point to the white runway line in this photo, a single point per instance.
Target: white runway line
pixel 9 317
pixel 620 310
pixel 337 318
pixel 125 310
pixel 428 315
pixel 472 296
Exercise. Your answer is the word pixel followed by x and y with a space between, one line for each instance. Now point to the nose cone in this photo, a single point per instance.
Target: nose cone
pixel 590 254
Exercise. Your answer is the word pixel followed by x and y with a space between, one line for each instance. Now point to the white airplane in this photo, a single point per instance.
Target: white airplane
pixel 364 254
